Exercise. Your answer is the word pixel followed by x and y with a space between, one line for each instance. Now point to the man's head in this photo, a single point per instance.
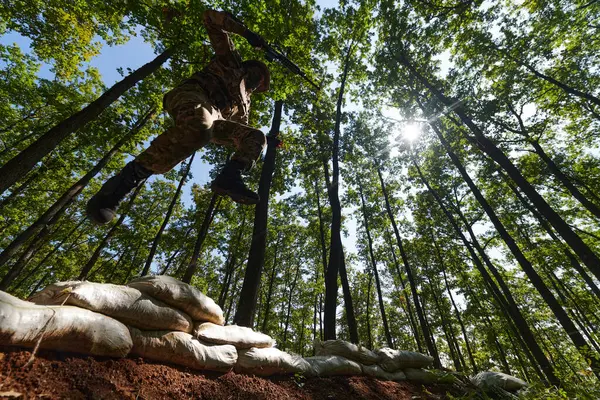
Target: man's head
pixel 258 77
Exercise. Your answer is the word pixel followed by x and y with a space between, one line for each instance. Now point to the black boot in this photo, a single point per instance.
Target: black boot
pixel 229 182
pixel 101 208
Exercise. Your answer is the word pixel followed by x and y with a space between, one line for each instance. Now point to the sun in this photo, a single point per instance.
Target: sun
pixel 411 132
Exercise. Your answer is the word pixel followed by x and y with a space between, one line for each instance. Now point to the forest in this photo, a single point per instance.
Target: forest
pixel 440 192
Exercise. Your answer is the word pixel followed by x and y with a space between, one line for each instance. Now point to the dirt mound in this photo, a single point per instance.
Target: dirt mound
pixel 60 375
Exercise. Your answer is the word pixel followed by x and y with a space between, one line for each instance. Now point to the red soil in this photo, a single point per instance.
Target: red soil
pixel 54 375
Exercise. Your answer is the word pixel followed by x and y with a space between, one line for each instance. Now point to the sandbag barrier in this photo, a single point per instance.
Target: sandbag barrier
pixel 166 320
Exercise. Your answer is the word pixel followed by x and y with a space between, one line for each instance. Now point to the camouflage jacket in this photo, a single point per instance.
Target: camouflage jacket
pixel 223 77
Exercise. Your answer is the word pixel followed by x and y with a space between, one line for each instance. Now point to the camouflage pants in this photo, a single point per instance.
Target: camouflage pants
pixel 198 122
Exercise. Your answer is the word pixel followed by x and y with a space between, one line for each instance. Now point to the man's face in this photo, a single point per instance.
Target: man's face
pixel 254 78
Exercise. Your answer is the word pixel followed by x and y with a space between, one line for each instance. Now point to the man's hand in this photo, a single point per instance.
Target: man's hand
pixel 255 40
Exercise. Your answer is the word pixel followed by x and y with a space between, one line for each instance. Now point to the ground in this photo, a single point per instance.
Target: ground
pixel 54 375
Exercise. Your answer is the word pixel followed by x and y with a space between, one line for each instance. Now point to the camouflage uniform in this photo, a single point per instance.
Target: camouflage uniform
pixel 212 106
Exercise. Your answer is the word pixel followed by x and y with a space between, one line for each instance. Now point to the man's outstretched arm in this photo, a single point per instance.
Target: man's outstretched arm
pixel 218 24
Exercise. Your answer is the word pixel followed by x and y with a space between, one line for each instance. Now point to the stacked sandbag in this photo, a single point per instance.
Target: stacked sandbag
pixel 181 296
pixel 332 365
pixel 490 379
pixel 63 328
pixel 375 371
pixel 182 349
pixel 123 303
pixel 393 360
pixel 271 361
pixel 239 336
pixel 345 349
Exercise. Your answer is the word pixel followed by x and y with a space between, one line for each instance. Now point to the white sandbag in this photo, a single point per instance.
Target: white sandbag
pixel 376 371
pixel 488 379
pixel 239 336
pixel 180 295
pixel 392 360
pixel 345 349
pixel 271 361
pixel 126 304
pixel 332 365
pixel 62 328
pixel 183 349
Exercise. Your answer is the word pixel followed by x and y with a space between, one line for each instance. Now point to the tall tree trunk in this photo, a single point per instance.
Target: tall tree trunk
pixel 446 327
pixel 60 205
pixel 232 261
pixel 487 146
pixel 402 292
pixel 246 310
pixel 176 252
pixel 321 228
pixel 302 328
pixel 270 290
pixel 511 306
pixel 537 281
pixel 336 250
pixel 208 217
pixel 428 332
pixel 184 175
pixel 369 335
pixel 106 239
pixel 461 323
pixel 19 165
pixel 386 328
pixel 407 268
pixel 289 307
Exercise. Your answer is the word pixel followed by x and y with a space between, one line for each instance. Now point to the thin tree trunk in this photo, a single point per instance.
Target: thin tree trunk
pixel 165 222
pixel 55 210
pixel 289 307
pixel 229 267
pixel 445 326
pixel 437 363
pixel 386 328
pixel 19 165
pixel 302 328
pixel 106 239
pixel 369 335
pixel 246 310
pixel 176 252
pixel 208 217
pixel 408 270
pixel 321 228
pixel 271 284
pixel 231 262
pixel 405 295
pixel 460 322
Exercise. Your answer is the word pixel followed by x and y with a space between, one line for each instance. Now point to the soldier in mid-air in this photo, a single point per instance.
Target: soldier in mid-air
pixel 213 105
